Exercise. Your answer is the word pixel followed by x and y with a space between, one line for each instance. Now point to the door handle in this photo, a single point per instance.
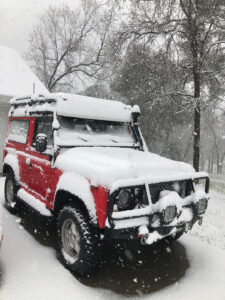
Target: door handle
pixel 29 163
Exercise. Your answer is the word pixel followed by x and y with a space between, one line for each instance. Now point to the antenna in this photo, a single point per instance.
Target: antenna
pixel 33 87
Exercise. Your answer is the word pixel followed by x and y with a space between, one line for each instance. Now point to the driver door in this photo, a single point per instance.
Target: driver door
pixel 40 163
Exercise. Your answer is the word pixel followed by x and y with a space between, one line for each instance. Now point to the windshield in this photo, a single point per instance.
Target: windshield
pixel 76 131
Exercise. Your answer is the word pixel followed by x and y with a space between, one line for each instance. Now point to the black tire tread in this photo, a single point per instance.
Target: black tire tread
pixel 12 209
pixel 90 247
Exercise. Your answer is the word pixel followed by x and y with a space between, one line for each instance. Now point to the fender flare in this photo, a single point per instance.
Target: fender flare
pixel 11 161
pixel 79 187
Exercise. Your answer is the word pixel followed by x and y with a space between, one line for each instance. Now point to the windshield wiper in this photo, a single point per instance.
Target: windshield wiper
pixel 114 141
pixel 82 139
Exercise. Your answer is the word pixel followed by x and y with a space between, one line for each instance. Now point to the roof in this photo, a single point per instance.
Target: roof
pixel 71 105
pixel 16 78
pixel 92 108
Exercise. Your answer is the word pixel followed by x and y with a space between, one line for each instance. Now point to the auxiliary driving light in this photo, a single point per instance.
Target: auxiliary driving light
pixel 169 214
pixel 124 199
pixel 202 206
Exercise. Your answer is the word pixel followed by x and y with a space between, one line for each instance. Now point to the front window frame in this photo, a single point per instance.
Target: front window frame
pixel 42 118
pixel 135 143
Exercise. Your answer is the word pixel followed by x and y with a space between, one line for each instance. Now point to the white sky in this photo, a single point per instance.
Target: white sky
pixel 17 18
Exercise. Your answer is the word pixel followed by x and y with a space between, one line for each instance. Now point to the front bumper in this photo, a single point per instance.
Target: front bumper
pixel 133 232
pixel 129 224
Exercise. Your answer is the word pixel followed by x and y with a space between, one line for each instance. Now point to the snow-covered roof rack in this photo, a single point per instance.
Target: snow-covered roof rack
pixel 70 105
pixel 31 100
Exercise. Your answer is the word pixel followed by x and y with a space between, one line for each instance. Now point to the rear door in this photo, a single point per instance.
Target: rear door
pixel 17 141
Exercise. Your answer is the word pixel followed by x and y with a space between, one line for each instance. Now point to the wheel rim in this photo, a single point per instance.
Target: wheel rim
pixel 70 238
pixel 10 192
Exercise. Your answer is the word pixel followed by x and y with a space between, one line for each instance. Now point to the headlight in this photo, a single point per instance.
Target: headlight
pixel 202 206
pixel 169 214
pixel 124 199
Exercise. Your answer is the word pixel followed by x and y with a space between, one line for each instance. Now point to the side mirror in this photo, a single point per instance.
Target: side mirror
pixel 41 142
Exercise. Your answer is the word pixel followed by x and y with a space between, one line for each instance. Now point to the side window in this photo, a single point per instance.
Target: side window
pixel 44 125
pixel 18 131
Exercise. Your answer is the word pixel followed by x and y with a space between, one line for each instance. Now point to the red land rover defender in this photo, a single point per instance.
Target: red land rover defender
pixel 83 161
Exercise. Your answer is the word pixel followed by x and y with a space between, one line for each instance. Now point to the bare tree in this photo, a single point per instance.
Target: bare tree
pixel 213 139
pixel 148 77
pixel 188 31
pixel 67 44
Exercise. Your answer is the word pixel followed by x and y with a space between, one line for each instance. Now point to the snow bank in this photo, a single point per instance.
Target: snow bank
pixel 212 230
pixel 205 277
pixel 105 166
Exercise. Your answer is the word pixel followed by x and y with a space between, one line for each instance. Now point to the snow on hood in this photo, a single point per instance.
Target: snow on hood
pixel 104 166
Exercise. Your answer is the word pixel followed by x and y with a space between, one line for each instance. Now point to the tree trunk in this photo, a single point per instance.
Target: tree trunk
pixel 217 161
pixel 212 163
pixel 221 162
pixel 197 117
pixel 209 162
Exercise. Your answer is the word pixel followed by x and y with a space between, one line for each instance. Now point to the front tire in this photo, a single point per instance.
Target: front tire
pixel 11 189
pixel 78 244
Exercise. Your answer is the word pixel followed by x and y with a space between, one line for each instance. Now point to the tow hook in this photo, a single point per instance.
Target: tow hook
pixel 186 227
pixel 200 221
pixel 143 232
pixel 144 239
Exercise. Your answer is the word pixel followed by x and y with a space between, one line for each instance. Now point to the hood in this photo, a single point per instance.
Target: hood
pixel 104 166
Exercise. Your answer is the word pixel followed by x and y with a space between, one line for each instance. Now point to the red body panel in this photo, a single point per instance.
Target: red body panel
pixel 39 178
pixel 101 196
pixel 55 179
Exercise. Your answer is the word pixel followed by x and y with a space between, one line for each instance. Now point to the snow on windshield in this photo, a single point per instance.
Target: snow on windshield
pixel 85 131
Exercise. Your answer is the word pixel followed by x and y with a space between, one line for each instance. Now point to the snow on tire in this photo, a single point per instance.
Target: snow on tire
pixel 78 244
pixel 11 188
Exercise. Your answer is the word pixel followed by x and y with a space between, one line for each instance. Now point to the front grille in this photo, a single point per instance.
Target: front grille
pixel 186 187
pixel 155 190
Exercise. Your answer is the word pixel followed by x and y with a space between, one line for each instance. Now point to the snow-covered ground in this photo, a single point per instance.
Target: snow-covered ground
pixel 193 268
